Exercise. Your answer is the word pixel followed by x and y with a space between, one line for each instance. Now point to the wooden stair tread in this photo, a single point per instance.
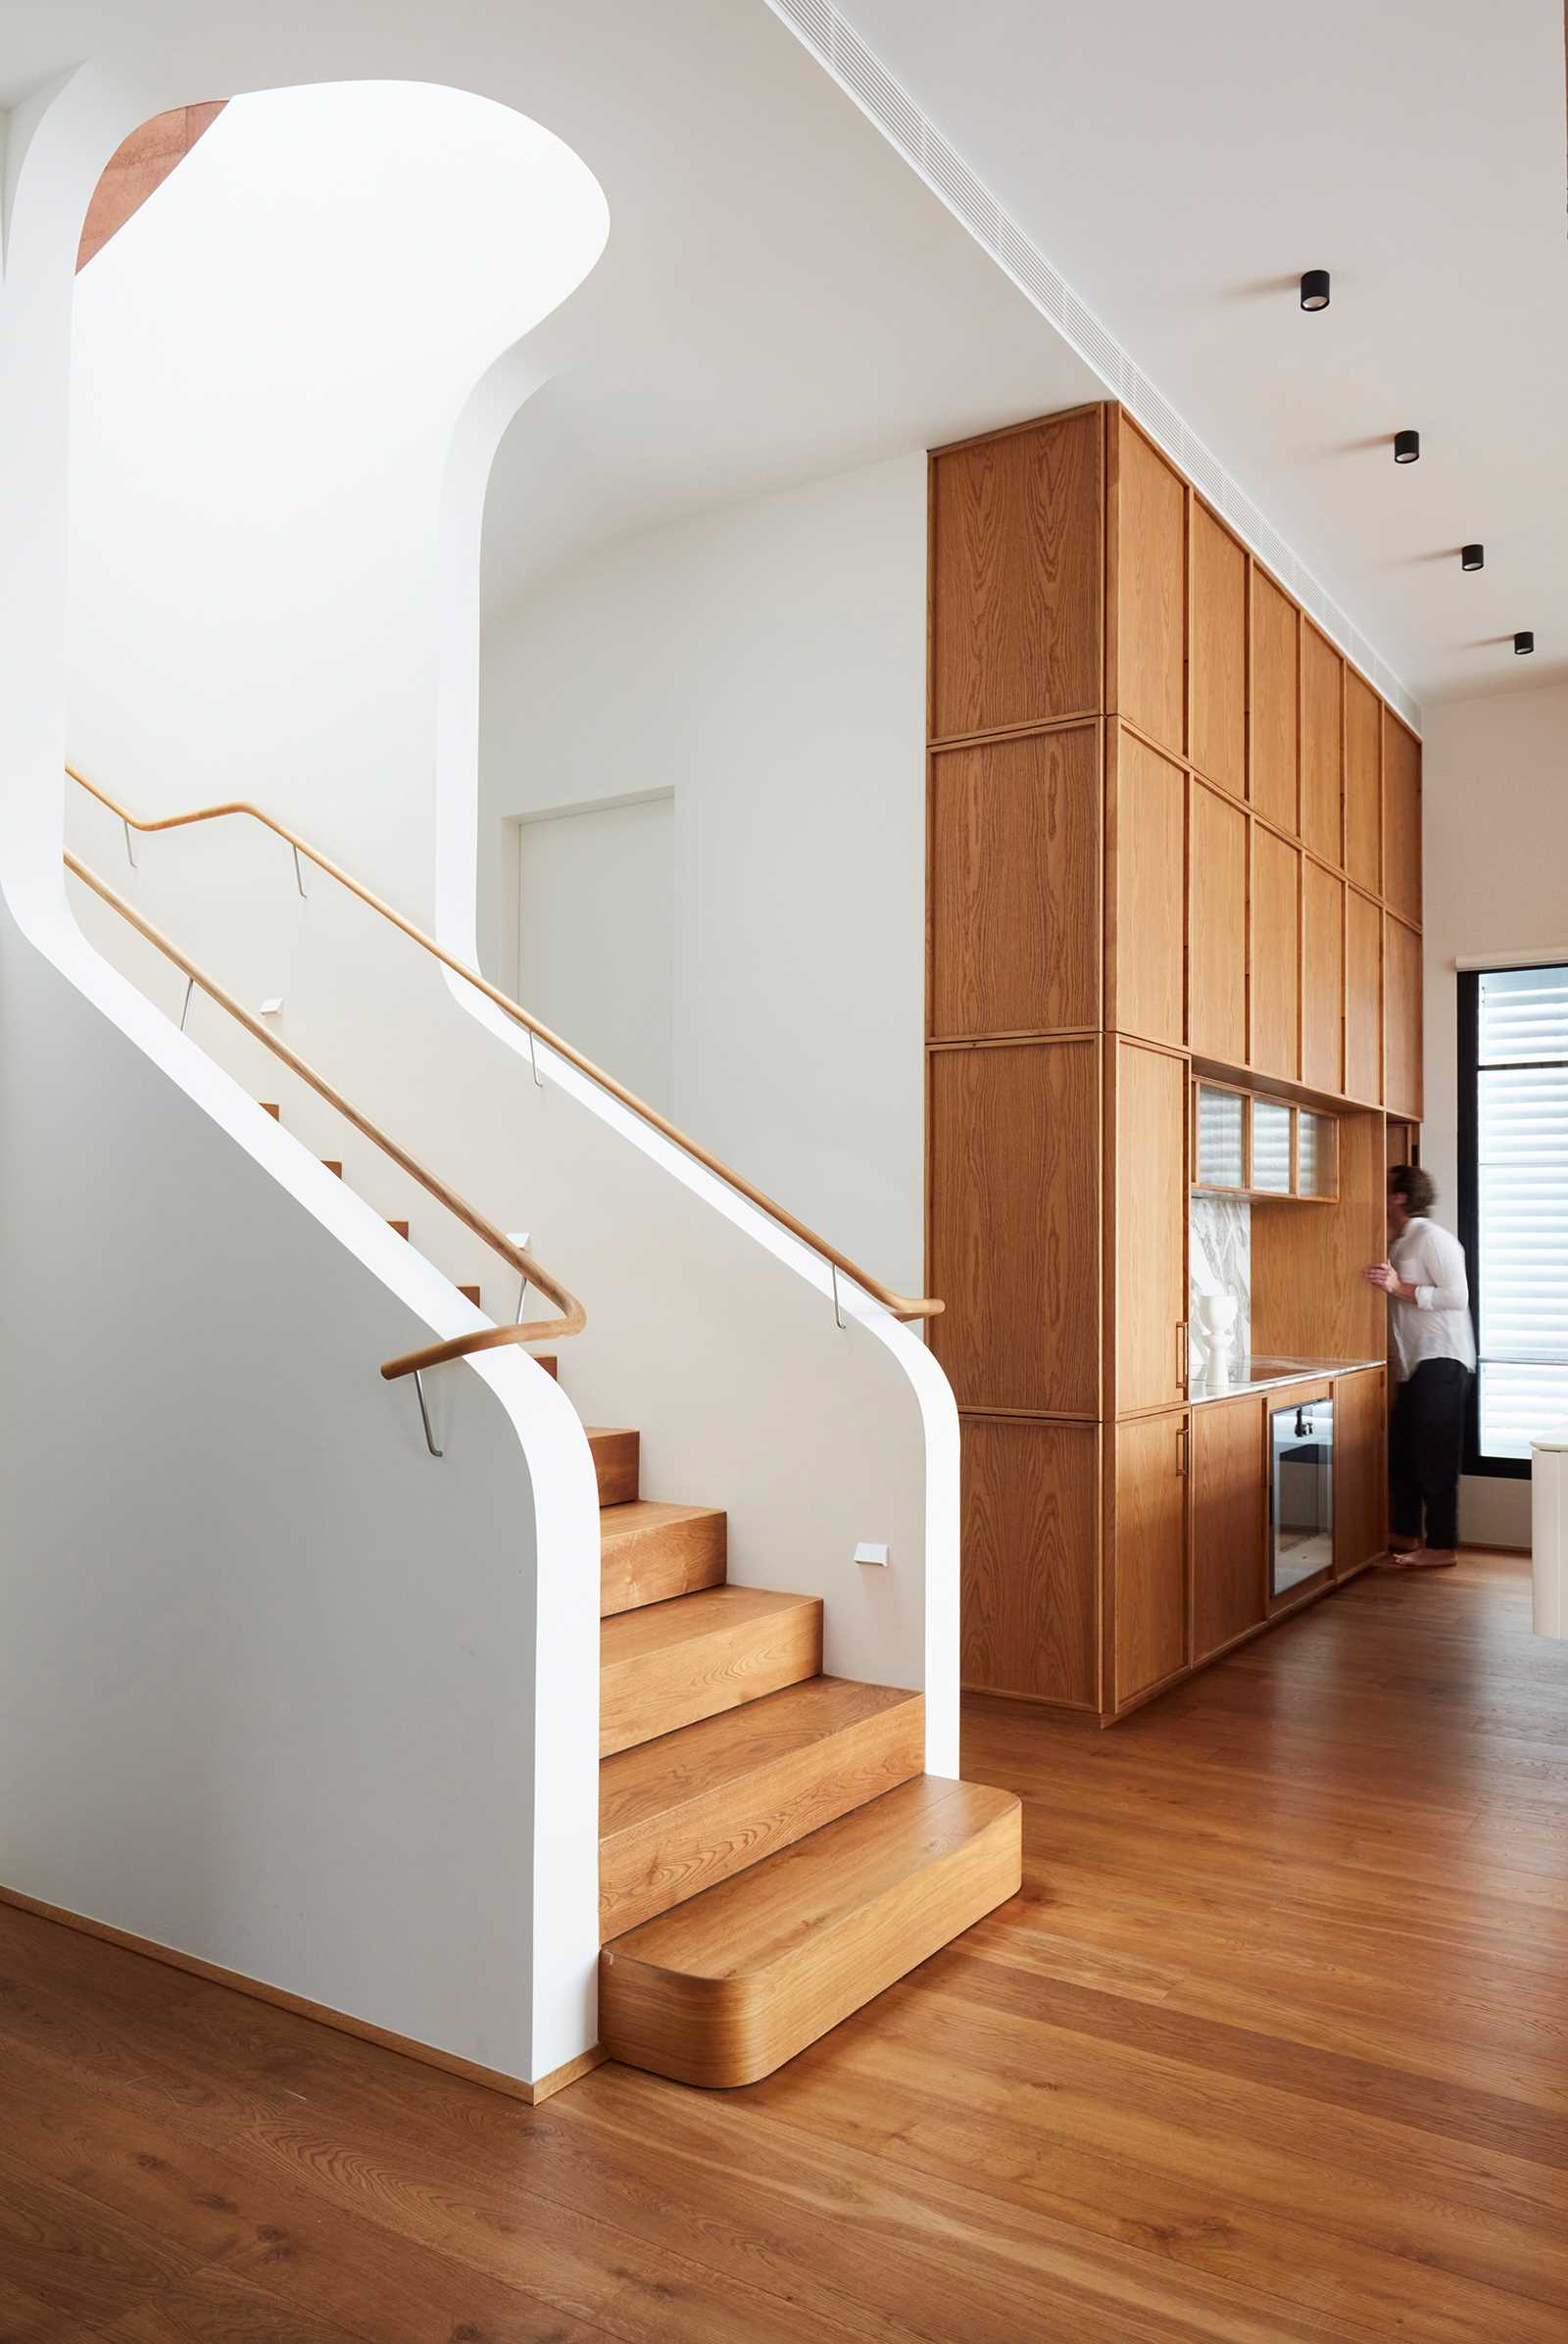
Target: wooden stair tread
pixel 723 1988
pixel 616 1453
pixel 682 1812
pixel 668 1664
pixel 651 1550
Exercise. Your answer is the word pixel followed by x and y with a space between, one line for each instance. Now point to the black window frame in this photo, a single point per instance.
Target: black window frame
pixel 1476 1461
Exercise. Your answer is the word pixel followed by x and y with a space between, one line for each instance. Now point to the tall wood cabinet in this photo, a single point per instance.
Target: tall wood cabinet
pixel 1167 822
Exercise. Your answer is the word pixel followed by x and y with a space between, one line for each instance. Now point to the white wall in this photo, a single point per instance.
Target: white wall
pixel 765 662
pixel 1494 779
pixel 269 362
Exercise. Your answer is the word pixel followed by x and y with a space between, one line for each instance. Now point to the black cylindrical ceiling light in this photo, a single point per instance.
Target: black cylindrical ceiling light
pixel 1406 446
pixel 1472 557
pixel 1315 289
pixel 1524 642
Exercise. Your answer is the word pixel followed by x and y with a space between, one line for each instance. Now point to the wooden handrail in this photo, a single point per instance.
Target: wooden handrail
pixel 903 1306
pixel 458 1346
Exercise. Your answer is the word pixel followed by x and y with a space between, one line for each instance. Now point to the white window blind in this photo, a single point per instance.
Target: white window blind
pixel 1522 1206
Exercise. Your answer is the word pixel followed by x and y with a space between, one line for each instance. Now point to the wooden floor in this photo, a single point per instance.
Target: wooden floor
pixel 1273 2045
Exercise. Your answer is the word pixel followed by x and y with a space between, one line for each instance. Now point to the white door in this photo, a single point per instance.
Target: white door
pixel 596 935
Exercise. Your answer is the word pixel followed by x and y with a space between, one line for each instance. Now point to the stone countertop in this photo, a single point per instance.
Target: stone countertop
pixel 1263 1375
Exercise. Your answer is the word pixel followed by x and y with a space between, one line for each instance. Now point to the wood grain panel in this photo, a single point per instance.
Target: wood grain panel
pixel 1322 745
pixel 616 1454
pixel 1402 1011
pixel 684 1812
pixel 1309 1299
pixel 1273 729
pixel 1363 997
pixel 1363 782
pixel 1402 819
pixel 1145 890
pixel 1016 884
pixel 648 1552
pixel 1228 1561
pixel 1217 683
pixel 1149 1239
pixel 672 1663
pixel 1216 928
pixel 1275 961
pixel 1017 561
pixel 1146 670
pixel 726 1987
pixel 1031 1559
pixel 1015 1224
pixel 1359 1470
pixel 1322 978
pixel 1150 1507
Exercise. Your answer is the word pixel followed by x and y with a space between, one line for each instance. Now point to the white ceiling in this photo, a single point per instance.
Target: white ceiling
pixel 1182 166
pixel 781 296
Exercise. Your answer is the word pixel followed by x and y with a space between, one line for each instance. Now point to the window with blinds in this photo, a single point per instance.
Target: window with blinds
pixel 1515 1201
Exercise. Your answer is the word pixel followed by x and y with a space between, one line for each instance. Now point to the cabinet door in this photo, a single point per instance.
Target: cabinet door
pixel 1363 783
pixel 1276 942
pixel 1015 1224
pixel 1150 1565
pixel 1401 1011
pixel 1149 654
pixel 1147 846
pixel 1322 977
pixel 1402 819
pixel 1358 1470
pixel 1363 998
pixel 1321 742
pixel 1016 602
pixel 1151 1240
pixel 1216 678
pixel 1216 928
pixel 1229 1558
pixel 1031 1559
pixel 1275 688
pixel 1016 884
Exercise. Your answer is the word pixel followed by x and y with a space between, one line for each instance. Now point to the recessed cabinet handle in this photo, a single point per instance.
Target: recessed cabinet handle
pixel 1181 1449
pixel 1182 1353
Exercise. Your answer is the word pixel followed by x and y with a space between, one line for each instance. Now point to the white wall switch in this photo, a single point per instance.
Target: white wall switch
pixel 868 1551
pixel 272 1008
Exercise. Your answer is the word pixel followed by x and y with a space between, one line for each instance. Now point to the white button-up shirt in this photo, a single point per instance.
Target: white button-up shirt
pixel 1436 1324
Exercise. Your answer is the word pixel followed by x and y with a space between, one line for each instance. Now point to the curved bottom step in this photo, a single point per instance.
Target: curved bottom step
pixel 724 1988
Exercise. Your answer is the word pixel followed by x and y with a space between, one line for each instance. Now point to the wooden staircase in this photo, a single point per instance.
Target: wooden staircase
pixel 771 1852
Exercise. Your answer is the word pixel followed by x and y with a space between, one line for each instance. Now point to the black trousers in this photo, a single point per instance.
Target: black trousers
pixel 1426 1449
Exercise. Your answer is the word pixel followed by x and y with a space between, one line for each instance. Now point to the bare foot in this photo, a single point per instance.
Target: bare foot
pixel 1401 1545
pixel 1433 1558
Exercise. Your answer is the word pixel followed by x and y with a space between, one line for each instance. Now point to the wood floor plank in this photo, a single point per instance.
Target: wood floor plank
pixel 1273 2049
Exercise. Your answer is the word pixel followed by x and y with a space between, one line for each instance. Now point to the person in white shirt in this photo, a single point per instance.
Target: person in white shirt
pixel 1434 1358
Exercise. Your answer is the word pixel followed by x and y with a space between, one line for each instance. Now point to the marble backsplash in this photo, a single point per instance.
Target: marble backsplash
pixel 1220 1254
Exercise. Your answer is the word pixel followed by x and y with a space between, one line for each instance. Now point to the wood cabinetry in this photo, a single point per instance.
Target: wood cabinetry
pixel 1402 1019
pixel 1013 1235
pixel 1402 819
pixel 1018 615
pixel 1147 850
pixel 1148 1514
pixel 1361 1478
pixel 1322 743
pixel 1322 978
pixel 1363 782
pixel 1015 886
pixel 1275 943
pixel 1174 838
pixel 1148 589
pixel 1363 998
pixel 1148 1151
pixel 1216 926
pixel 1227 1539
pixel 1216 678
pixel 1275 702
